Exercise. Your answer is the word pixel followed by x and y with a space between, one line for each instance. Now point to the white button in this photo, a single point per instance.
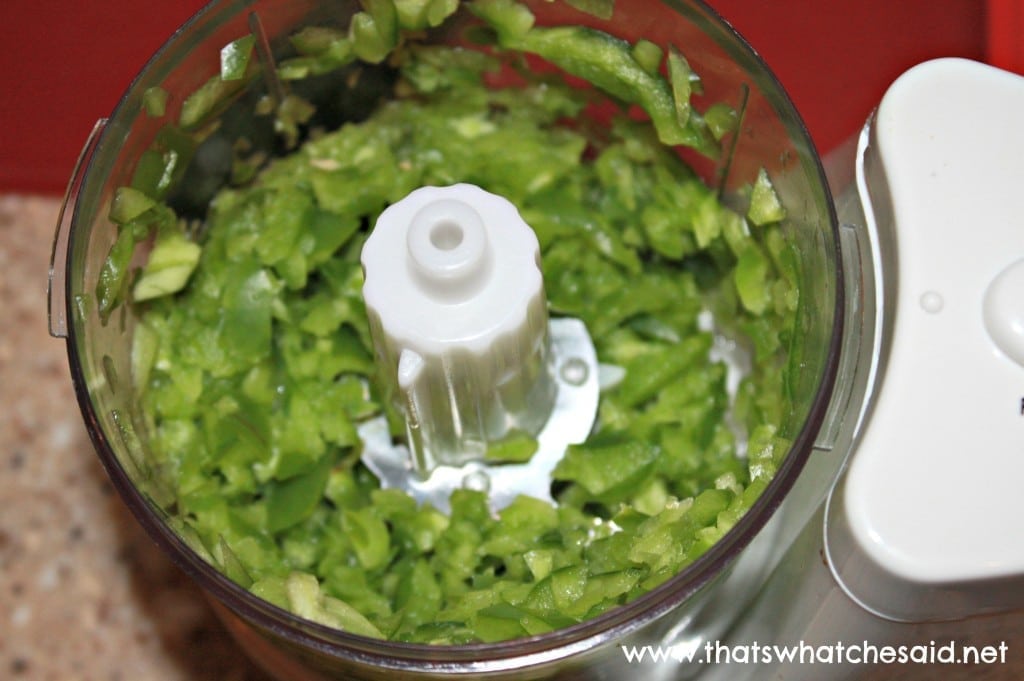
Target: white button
pixel 1003 311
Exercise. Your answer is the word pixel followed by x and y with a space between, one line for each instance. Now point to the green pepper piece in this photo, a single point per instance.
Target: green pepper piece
pixel 499 623
pixel 199 106
pixel 416 15
pixel 315 40
pixel 602 591
pixel 418 596
pixel 765 451
pixel 286 213
pixel 608 63
pixel 162 166
pixel 568 586
pixel 519 525
pixel 751 279
pixel 128 204
pixel 307 600
pixel 171 262
pixel 509 19
pixel 149 173
pixel 369 536
pixel 679 77
pixel 610 468
pixel 721 119
pixel 292 112
pixel 765 205
pixel 234 58
pixel 112 285
pixel 540 562
pixel 337 53
pixel 648 55
pixel 518 447
pixel 245 315
pixel 439 10
pixel 272 590
pixel 649 372
pixel 292 501
pixel 374 31
pixel 154 101
pixel 231 565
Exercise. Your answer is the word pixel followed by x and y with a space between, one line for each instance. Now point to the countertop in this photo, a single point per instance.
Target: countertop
pixel 84 592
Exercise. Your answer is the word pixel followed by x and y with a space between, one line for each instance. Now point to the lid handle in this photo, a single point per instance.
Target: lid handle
pixel 57 300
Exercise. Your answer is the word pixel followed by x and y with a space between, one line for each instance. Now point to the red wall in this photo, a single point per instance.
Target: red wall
pixel 64 63
pixel 837 58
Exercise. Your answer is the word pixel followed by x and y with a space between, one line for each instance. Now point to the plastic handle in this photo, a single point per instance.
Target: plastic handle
pixel 57 299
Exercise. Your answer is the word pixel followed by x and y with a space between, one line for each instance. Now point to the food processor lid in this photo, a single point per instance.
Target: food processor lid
pixel 927 522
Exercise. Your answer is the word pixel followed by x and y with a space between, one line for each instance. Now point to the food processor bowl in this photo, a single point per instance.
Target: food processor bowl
pixel 705 597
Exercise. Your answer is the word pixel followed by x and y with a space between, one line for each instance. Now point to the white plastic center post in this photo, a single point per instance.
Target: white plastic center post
pixel 449 248
pixel 455 298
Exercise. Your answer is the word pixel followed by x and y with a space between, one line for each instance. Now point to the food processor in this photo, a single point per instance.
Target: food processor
pixel 894 501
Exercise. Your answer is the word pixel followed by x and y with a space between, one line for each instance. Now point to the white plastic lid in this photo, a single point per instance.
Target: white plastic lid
pixel 933 495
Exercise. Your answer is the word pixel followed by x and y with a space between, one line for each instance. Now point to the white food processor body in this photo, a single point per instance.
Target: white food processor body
pixel 916 555
pixel 548 388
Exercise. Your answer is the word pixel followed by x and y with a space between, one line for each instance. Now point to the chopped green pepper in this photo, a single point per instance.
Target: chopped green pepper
pixel 234 58
pixel 254 363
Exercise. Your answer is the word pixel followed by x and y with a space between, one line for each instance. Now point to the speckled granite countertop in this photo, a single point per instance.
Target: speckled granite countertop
pixel 84 593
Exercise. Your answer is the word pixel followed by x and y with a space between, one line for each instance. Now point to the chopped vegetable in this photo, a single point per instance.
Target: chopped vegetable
pixel 648 55
pixel 129 204
pixel 170 264
pixel 154 101
pixel 374 32
pixel 234 58
pixel 199 105
pixel 608 63
pixel 765 205
pixel 254 364
pixel 679 74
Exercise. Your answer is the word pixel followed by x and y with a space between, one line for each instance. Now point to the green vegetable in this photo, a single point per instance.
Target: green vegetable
pixel 234 58
pixel 609 64
pixel 129 204
pixel 170 264
pixel 421 14
pixel 112 285
pixel 509 19
pixel 648 55
pixel 765 205
pixel 163 165
pixel 515 448
pixel 609 470
pixel 374 32
pixel 306 599
pixel 295 499
pixel 679 74
pixel 199 106
pixel 154 101
pixel 751 279
pixel 254 365
pixel 721 119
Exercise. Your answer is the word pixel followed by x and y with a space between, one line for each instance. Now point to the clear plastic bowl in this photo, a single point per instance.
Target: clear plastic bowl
pixel 705 596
